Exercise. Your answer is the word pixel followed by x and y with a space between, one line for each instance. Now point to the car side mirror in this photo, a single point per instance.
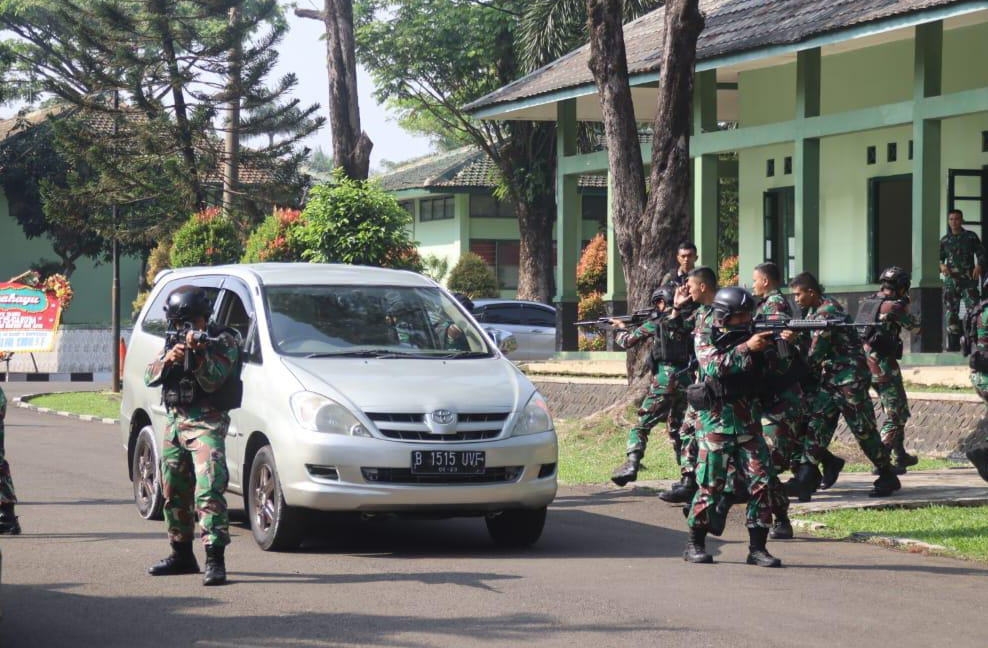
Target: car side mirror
pixel 503 340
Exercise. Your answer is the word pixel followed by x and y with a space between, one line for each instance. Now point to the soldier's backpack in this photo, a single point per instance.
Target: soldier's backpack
pixel 879 339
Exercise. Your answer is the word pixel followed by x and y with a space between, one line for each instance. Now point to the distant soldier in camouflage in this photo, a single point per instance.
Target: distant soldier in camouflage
pixel 884 316
pixel 962 259
pixel 730 427
pixel 692 303
pixel 977 337
pixel 782 399
pixel 666 398
pixel 9 524
pixel 193 461
pixel 838 357
pixel 686 260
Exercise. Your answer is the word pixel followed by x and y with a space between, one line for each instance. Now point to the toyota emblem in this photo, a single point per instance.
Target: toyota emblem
pixel 443 417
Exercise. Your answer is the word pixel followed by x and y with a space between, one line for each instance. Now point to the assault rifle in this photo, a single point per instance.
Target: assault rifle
pixel 635 319
pixel 726 334
pixel 174 336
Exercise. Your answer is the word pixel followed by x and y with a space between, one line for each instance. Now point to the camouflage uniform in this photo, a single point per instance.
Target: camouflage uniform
pixel 731 432
pixel 193 460
pixel 7 495
pixel 960 253
pixel 783 413
pixel 838 357
pixel 886 377
pixel 980 343
pixel 666 398
pixel 674 277
pixel 689 451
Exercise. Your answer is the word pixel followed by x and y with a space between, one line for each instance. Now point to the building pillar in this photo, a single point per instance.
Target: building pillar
pixel 706 171
pixel 568 223
pixel 806 166
pixel 927 218
pixel 616 297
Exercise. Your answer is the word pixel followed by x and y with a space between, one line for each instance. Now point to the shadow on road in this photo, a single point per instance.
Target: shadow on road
pixel 54 616
pixel 474 580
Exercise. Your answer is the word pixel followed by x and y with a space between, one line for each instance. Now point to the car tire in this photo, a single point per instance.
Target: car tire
pixel 146 471
pixel 517 527
pixel 275 525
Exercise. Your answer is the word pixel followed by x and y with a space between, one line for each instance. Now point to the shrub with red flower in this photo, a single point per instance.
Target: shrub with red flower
pixel 207 238
pixel 274 238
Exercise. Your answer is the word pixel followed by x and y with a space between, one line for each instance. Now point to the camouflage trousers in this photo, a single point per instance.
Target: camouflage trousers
pixel 980 382
pixel 784 427
pixel 7 495
pixel 688 449
pixel 892 395
pixel 660 405
pixel 853 402
pixel 750 457
pixel 193 479
pixel 955 291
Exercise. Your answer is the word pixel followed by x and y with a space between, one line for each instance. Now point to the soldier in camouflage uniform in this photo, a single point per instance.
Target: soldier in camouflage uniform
pixel 692 304
pixel 783 409
pixel 883 348
pixel 962 259
pixel 9 524
pixel 666 398
pixel 686 260
pixel 194 473
pixel 730 427
pixel 977 334
pixel 837 356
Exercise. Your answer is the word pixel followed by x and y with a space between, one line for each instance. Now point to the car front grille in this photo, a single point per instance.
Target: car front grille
pixel 403 426
pixel 412 435
pixel 499 475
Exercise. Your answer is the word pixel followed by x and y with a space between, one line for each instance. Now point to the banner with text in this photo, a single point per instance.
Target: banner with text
pixel 28 318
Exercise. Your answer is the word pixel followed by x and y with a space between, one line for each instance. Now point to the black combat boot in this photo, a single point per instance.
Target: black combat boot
pixel 886 484
pixel 832 465
pixel 682 492
pixel 782 529
pixel 181 561
pixel 757 553
pixel 696 547
pixel 903 459
pixel 953 342
pixel 979 457
pixel 8 521
pixel 215 567
pixel 792 486
pixel 628 471
pixel 808 477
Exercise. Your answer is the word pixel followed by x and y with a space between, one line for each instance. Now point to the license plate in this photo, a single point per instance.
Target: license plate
pixel 448 462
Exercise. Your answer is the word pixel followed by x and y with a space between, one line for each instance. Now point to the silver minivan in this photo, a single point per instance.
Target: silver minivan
pixel 365 390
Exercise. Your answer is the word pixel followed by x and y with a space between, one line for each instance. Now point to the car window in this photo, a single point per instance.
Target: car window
pixel 154 321
pixel 503 314
pixel 535 316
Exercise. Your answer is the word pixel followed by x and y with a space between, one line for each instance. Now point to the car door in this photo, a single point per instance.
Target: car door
pixel 540 326
pixel 508 316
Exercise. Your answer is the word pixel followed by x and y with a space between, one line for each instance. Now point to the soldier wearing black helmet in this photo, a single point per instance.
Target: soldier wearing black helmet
pixel 730 430
pixel 199 372
pixel 883 317
pixel 666 398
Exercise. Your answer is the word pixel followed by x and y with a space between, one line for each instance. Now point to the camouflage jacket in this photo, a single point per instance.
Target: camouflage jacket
pixel 836 355
pixel 3 402
pixel 675 331
pixel 213 365
pixel 961 252
pixel 738 416
pixel 776 306
pixel 980 380
pixel 893 316
pixel 674 277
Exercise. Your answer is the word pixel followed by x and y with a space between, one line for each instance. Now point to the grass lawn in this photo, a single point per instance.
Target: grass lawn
pixel 104 404
pixel 938 389
pixel 962 529
pixel 925 463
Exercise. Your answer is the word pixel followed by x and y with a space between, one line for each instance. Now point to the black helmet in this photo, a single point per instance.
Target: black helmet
pixel 896 278
pixel 666 293
pixel 464 300
pixel 186 303
pixel 731 301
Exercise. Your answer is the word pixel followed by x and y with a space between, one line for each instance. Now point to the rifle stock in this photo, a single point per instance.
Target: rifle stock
pixel 636 318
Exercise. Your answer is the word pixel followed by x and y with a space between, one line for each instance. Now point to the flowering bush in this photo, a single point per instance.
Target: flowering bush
pixel 591 306
pixel 591 271
pixel 728 274
pixel 274 239
pixel 207 238
pixel 58 285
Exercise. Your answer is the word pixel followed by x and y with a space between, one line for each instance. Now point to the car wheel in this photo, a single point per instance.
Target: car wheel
pixel 516 528
pixel 276 526
pixel 146 469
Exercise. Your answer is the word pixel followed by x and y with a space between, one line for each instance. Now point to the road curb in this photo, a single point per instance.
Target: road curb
pixel 22 402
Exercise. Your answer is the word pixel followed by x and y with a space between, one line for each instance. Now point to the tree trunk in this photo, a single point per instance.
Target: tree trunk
pixel 536 253
pixel 647 232
pixel 231 148
pixel 351 146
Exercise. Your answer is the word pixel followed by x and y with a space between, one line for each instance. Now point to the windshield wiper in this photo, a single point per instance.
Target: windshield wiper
pixel 352 354
pixel 461 355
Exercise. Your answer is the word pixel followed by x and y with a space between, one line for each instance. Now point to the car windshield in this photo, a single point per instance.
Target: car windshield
pixel 370 321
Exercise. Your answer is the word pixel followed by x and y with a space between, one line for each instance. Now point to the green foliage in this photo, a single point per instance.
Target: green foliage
pixel 727 275
pixel 591 271
pixel 473 277
pixel 435 267
pixel 320 161
pixel 207 238
pixel 727 215
pixel 591 306
pixel 355 222
pixel 274 239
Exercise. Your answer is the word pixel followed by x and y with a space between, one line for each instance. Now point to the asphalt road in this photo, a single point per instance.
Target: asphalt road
pixel 608 572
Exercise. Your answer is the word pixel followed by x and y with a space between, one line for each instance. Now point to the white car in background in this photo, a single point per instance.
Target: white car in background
pixel 533 325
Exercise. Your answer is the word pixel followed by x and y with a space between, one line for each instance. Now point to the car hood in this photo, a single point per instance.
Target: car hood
pixel 411 385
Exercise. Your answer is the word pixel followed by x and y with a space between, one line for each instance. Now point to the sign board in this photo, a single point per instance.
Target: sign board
pixel 28 318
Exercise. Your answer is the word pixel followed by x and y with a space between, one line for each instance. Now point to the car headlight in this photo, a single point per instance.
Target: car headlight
pixel 535 417
pixel 316 413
